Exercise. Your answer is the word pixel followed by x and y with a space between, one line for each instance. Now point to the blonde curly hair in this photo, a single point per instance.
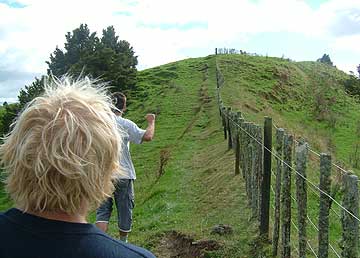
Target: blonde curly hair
pixel 63 149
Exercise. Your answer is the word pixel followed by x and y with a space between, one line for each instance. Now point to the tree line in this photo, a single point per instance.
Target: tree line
pixel 352 84
pixel 85 54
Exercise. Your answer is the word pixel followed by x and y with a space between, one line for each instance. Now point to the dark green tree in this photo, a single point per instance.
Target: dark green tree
pixel 10 111
pixel 108 58
pixel 325 59
pixel 358 70
pixel 352 85
pixel 31 91
pixel 7 117
pixel 78 46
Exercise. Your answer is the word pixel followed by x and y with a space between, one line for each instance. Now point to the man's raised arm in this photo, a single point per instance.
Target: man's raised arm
pixel 150 130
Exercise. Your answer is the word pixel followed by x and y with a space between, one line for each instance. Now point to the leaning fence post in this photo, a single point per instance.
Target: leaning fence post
pixel 229 127
pixel 266 177
pixel 285 197
pixel 301 194
pixel 325 171
pixel 279 154
pixel 349 222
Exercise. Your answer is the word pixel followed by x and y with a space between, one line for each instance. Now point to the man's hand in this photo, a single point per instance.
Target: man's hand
pixel 150 130
pixel 150 118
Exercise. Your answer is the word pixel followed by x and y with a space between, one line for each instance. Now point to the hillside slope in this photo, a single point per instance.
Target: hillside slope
pixel 185 178
pixel 306 98
pixel 198 185
pixel 197 188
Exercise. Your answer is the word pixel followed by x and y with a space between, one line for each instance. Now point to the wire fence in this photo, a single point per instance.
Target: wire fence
pixel 312 184
pixel 250 143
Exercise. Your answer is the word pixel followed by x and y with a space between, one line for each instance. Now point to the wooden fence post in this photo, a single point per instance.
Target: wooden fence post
pixel 245 154
pixel 259 166
pixel 229 128
pixel 241 146
pixel 325 171
pixel 250 161
pixel 233 129
pixel 285 197
pixel 350 225
pixel 266 179
pixel 301 194
pixel 279 154
pixel 224 119
pixel 237 145
pixel 236 128
pixel 254 185
pixel 239 114
pixel 217 77
pixel 247 160
pixel 220 106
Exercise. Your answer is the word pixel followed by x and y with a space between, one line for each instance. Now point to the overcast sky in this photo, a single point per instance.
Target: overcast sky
pixel 162 31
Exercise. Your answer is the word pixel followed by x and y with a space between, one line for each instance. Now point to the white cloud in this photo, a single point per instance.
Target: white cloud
pixel 346 67
pixel 347 43
pixel 28 35
pixel 8 100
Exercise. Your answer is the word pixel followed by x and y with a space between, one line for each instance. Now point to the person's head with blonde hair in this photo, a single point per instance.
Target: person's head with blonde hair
pixel 63 149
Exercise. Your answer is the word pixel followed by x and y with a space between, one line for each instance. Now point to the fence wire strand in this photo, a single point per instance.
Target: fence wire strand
pixel 307 241
pixel 316 228
pixel 342 170
pixel 298 173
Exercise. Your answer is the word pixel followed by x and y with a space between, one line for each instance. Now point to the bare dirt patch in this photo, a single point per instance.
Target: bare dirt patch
pixel 174 244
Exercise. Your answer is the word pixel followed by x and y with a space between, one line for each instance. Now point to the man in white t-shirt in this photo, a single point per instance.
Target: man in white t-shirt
pixel 124 185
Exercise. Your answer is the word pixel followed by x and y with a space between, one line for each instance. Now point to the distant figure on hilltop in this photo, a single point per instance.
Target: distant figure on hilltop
pixel 124 183
pixel 60 158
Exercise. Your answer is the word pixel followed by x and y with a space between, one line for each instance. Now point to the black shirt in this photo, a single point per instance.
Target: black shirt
pixel 24 235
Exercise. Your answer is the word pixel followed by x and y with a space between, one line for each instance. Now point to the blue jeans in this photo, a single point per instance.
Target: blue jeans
pixel 124 201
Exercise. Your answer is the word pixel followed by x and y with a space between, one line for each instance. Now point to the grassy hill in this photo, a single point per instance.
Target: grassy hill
pixel 185 178
pixel 306 98
pixel 196 188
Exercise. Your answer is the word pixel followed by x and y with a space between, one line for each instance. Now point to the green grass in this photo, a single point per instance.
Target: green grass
pixel 287 92
pixel 198 188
